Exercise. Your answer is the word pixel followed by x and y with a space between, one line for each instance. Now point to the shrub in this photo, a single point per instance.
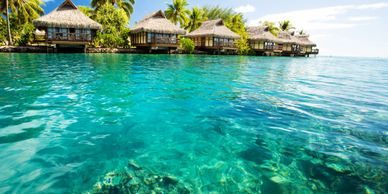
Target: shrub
pixel 114 21
pixel 187 45
pixel 243 47
pixel 23 34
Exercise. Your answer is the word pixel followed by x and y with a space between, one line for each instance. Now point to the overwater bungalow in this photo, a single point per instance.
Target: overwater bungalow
pixel 66 27
pixel 288 44
pixel 262 41
pixel 213 36
pixel 307 47
pixel 155 32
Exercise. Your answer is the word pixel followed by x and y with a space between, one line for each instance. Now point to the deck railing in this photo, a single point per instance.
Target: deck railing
pixel 315 51
pixel 224 44
pixel 269 47
pixel 165 40
pixel 59 36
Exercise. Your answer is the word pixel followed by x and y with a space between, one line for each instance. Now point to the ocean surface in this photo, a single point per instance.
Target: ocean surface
pixel 77 123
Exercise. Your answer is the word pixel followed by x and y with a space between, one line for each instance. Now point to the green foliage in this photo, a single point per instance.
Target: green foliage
pixel 108 40
pixel 20 16
pixel 25 11
pixel 87 11
pixel 114 23
pixel 113 20
pixel 177 12
pixel 197 16
pixel 3 32
pixel 125 36
pixel 236 23
pixel 23 34
pixel 126 5
pixel 243 47
pixel 217 12
pixel 271 27
pixel 187 45
pixel 285 25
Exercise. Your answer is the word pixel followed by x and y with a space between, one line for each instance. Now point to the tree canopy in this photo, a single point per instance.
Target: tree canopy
pixel 286 25
pixel 18 16
pixel 126 5
pixel 177 12
pixel 197 16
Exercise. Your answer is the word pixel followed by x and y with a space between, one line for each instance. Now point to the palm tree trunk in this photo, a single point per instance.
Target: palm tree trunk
pixel 8 24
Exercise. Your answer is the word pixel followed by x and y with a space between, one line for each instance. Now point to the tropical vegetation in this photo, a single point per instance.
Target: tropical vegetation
pixel 17 15
pixel 187 45
pixel 286 25
pixel 126 5
pixel 177 12
pixel 114 21
pixel 196 17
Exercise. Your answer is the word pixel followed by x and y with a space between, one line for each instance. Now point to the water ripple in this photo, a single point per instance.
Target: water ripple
pixel 224 124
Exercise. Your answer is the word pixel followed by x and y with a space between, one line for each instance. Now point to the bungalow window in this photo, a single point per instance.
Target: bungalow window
pixel 50 32
pixel 88 34
pixel 173 38
pixel 216 41
pixel 149 37
pixel 77 34
pixel 231 42
pixel 63 32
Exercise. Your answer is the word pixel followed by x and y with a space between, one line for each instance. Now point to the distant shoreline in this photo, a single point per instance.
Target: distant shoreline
pixel 50 50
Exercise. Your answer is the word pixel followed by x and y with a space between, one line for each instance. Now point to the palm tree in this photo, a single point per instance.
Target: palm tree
pixel 302 32
pixel 197 16
pixel 5 6
pixel 126 5
pixel 86 10
pixel 286 25
pixel 23 10
pixel 271 27
pixel 217 12
pixel 236 23
pixel 177 12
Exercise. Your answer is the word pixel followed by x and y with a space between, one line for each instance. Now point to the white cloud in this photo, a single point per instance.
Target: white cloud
pixel 245 9
pixel 362 18
pixel 373 6
pixel 322 18
pixel 46 1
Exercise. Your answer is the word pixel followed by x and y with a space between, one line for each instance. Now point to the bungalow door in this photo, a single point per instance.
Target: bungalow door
pixel 203 41
pixel 72 34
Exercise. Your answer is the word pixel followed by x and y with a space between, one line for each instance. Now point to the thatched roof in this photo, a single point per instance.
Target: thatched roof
pixel 286 37
pixel 214 28
pixel 304 40
pixel 158 23
pixel 66 16
pixel 261 33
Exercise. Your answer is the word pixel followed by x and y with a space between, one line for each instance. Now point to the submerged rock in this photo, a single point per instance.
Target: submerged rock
pixel 135 179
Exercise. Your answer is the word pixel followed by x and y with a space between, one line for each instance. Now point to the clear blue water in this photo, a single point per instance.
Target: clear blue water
pixel 228 124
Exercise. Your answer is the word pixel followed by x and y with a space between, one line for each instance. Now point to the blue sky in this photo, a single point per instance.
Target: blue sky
pixel 339 27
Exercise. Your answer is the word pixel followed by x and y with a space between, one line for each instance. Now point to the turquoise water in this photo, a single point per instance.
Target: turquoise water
pixel 192 124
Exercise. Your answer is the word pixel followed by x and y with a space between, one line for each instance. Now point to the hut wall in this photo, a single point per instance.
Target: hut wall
pixel 69 34
pixel 255 44
pixel 304 48
pixel 209 41
pixel 286 47
pixel 261 45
